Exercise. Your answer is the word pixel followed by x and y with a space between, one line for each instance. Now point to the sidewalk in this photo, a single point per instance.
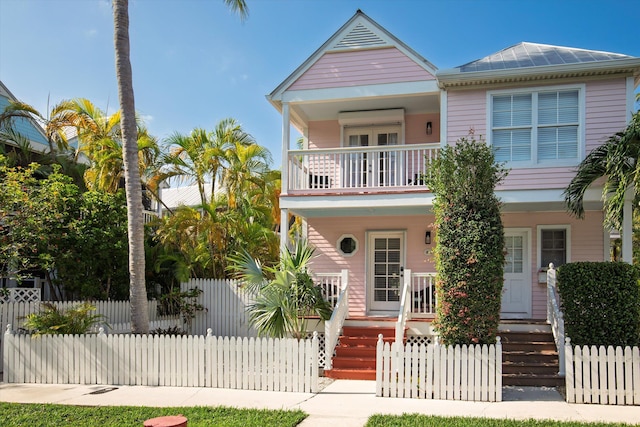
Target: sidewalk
pixel 344 403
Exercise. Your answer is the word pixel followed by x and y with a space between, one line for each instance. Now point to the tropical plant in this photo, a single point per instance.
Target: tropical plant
pixel 285 295
pixel 618 161
pixel 469 250
pixel 182 303
pixel 78 319
pixel 124 76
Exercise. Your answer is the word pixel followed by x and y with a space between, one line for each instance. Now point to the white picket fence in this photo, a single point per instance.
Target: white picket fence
pixel 433 371
pixel 225 304
pixel 163 360
pixel 605 375
pixel 116 313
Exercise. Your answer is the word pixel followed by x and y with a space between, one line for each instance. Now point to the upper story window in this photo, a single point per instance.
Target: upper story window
pixel 542 127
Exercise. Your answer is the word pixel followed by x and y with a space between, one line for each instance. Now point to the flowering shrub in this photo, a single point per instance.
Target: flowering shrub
pixel 469 250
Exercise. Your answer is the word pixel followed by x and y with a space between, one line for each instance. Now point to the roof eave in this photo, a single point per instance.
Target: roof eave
pixel 455 78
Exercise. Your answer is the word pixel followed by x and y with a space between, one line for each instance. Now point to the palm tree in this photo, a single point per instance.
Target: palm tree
pixel 618 161
pixel 247 167
pixel 139 314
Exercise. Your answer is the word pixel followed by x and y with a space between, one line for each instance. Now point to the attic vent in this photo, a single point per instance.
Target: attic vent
pixel 360 36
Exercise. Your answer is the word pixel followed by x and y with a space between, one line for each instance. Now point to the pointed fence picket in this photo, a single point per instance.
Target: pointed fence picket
pixel 162 360
pixel 434 371
pixel 605 375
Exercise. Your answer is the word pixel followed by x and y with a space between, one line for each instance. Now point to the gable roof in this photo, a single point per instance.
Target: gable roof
pixel 360 32
pixel 525 60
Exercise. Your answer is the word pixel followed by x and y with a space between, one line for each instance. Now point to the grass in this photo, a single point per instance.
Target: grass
pixel 408 420
pixel 22 414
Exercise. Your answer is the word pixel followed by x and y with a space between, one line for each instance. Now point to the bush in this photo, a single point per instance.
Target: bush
pixel 601 303
pixel 469 243
pixel 78 319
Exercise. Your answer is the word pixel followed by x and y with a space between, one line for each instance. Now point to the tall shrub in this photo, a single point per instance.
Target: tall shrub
pixel 469 250
pixel 601 303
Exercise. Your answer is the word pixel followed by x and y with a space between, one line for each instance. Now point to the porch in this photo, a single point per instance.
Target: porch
pixel 381 168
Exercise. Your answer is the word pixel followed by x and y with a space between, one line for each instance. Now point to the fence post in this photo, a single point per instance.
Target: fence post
pixel 379 348
pixel 314 362
pixel 7 356
pixel 498 369
pixel 568 379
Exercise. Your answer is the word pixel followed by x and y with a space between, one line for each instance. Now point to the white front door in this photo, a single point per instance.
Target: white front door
pixel 516 293
pixel 385 268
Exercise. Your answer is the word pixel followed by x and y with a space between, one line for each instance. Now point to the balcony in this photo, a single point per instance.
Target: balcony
pixel 359 169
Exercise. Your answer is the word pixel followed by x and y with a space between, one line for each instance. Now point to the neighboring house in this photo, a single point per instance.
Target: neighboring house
pixel 371 110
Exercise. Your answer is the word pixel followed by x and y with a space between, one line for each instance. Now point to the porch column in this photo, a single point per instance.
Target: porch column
pixel 284 230
pixel 627 226
pixel 286 136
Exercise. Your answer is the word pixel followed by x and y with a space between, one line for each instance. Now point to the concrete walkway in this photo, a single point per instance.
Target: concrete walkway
pixel 340 403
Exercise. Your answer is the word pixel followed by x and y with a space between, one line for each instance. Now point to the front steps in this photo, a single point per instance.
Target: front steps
pixel 355 357
pixel 530 358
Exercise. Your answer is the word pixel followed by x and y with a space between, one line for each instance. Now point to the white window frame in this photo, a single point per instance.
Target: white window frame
pixel 567 229
pixel 534 163
pixel 347 236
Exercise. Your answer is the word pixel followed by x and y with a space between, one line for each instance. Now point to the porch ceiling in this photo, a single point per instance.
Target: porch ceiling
pixel 317 110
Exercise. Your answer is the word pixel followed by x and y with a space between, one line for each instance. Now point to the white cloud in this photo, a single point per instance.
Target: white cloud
pixel 91 33
pixel 146 118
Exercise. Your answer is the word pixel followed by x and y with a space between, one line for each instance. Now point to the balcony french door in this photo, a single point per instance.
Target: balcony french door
pixel 376 168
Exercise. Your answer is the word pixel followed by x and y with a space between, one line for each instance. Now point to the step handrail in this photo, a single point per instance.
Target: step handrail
pixel 555 317
pixel 405 306
pixel 333 326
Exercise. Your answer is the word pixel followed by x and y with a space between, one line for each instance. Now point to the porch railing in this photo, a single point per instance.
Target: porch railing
pixel 358 168
pixel 333 326
pixel 555 317
pixel 423 293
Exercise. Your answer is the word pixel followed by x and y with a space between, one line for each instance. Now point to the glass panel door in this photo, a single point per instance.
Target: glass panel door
pixel 387 164
pixel 357 165
pixel 386 253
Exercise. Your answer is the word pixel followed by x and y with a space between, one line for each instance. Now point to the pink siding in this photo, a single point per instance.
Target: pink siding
pixel 415 128
pixel 587 244
pixel 587 240
pixel 466 110
pixel 325 232
pixel 326 133
pixel 363 67
pixel 605 114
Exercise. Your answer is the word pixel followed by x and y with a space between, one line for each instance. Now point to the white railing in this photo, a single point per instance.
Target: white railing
pixel 423 292
pixel 149 216
pixel 333 326
pixel 405 307
pixel 555 317
pixel 331 285
pixel 19 295
pixel 602 375
pixel 357 168
pixel 433 371
pixel 163 360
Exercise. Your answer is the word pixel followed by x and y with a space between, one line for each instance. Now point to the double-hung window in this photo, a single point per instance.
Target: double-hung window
pixel 541 127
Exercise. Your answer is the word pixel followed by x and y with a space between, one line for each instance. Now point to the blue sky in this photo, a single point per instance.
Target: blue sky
pixel 195 63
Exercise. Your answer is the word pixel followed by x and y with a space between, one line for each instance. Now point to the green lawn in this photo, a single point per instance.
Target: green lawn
pixel 18 414
pixel 432 421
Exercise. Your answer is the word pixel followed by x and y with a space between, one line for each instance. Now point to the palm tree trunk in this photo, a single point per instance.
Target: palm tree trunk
pixel 135 229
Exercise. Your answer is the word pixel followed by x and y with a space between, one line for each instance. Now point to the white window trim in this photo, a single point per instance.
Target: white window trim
pixel 345 236
pixel 565 227
pixel 581 88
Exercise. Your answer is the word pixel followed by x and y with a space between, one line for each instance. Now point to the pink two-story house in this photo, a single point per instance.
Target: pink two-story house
pixel 371 110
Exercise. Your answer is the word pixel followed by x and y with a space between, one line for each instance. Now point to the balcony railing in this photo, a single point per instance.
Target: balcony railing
pixel 359 168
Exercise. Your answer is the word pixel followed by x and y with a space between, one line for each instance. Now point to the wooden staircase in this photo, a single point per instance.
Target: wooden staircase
pixel 530 358
pixel 355 357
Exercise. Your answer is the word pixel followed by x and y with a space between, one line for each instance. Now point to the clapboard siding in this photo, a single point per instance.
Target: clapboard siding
pixel 365 67
pixel 466 110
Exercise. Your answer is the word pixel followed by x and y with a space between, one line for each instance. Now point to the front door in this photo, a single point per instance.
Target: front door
pixel 385 268
pixel 516 293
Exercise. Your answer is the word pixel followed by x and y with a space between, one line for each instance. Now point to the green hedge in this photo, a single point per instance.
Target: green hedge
pixel 601 303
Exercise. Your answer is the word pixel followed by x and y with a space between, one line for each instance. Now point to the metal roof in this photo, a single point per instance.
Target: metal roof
pixel 527 54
